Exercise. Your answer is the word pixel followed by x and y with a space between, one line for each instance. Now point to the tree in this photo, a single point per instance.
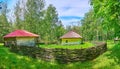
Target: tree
pixel 34 16
pixel 109 11
pixel 4 25
pixel 18 20
pixel 93 28
pixel 39 20
pixel 60 30
pixel 54 27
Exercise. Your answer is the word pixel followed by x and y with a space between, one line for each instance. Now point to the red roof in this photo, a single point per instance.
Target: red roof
pixel 71 34
pixel 20 33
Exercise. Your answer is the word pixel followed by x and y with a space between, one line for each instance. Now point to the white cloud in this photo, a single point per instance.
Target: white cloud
pixel 67 8
pixel 71 22
pixel 70 8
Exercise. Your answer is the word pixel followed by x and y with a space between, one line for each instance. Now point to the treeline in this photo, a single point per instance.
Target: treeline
pixel 102 22
pixel 32 16
pixel 93 28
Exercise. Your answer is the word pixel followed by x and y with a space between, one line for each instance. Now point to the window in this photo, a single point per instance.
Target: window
pixel 66 41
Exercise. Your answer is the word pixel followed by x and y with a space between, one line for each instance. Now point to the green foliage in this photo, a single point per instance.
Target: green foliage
pixel 114 53
pixel 91 27
pixel 109 11
pixel 53 27
pixel 18 12
pixel 4 25
pixel 34 18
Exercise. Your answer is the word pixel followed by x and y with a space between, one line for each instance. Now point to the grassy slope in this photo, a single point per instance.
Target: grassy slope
pixel 109 60
pixel 85 45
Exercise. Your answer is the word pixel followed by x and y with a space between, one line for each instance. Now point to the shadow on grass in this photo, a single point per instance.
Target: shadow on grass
pixel 10 60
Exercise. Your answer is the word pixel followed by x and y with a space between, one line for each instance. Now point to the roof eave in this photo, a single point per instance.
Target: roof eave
pixel 20 36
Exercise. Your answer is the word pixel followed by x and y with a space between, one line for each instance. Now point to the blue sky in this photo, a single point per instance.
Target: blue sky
pixel 10 3
pixel 69 11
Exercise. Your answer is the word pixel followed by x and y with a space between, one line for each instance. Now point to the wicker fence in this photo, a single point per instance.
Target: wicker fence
pixel 61 55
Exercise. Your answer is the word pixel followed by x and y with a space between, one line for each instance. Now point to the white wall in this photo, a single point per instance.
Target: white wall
pixel 25 41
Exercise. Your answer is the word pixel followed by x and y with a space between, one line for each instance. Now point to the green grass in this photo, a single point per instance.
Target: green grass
pixel 85 45
pixel 1 44
pixel 108 60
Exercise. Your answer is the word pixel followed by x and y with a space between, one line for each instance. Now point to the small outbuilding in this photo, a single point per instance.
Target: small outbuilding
pixel 71 38
pixel 20 38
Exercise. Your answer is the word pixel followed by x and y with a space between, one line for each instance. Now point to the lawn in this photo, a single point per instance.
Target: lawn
pixel 108 60
pixel 85 45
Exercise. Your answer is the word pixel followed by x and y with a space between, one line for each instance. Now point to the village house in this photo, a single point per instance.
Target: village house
pixel 71 38
pixel 20 38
